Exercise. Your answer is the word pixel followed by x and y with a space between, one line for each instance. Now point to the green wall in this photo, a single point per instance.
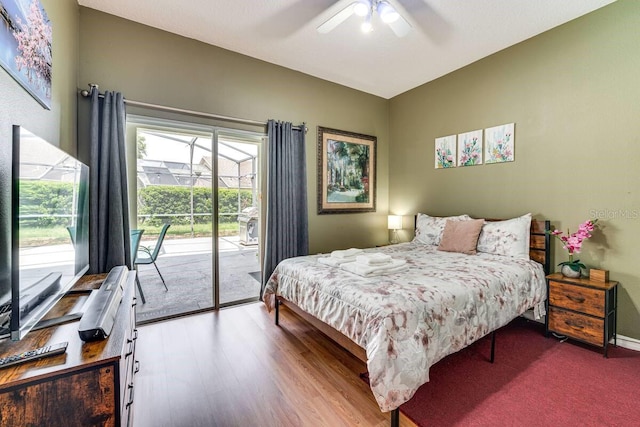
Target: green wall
pixel 574 95
pixel 158 67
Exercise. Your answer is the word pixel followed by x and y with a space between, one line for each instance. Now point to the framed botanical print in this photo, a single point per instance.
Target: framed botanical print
pixel 445 152
pixel 499 144
pixel 470 148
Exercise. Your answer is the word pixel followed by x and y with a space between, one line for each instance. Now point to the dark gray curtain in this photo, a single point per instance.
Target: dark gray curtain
pixel 109 240
pixel 287 225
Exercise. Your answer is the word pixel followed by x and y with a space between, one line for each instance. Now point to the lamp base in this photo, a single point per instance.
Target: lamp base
pixel 394 237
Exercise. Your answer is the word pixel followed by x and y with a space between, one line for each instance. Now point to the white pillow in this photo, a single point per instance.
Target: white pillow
pixel 510 237
pixel 429 229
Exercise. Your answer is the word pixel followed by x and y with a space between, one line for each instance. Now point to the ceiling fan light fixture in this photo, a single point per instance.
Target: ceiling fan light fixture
pixel 362 8
pixel 366 26
pixel 387 13
pixel 365 9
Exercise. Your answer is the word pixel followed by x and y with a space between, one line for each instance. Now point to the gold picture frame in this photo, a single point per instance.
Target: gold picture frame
pixel 346 172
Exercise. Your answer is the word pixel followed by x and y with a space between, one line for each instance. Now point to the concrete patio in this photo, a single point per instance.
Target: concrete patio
pixel 186 265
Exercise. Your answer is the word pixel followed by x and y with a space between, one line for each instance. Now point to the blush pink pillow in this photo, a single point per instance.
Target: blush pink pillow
pixel 461 236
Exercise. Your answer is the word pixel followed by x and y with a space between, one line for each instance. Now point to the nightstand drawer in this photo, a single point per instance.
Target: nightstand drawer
pixel 578 326
pixel 577 298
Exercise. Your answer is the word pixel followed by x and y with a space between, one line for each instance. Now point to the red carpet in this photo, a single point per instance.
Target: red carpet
pixel 535 381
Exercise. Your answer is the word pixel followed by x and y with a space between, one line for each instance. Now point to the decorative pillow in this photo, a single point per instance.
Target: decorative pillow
pixel 429 228
pixel 510 237
pixel 461 236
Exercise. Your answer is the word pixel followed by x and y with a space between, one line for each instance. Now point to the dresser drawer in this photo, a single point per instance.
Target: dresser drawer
pixel 576 325
pixel 128 366
pixel 127 409
pixel 577 298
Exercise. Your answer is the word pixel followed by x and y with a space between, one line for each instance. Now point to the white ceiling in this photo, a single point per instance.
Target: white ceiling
pixel 446 34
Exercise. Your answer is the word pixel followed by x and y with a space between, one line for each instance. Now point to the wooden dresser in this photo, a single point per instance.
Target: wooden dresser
pixel 582 309
pixel 90 385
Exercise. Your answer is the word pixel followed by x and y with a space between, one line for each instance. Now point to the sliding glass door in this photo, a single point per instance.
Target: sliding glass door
pixel 174 188
pixel 193 183
pixel 238 212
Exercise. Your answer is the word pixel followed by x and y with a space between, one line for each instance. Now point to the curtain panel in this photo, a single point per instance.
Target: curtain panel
pixel 109 240
pixel 287 222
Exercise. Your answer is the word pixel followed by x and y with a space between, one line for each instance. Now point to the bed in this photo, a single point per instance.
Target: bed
pixel 403 322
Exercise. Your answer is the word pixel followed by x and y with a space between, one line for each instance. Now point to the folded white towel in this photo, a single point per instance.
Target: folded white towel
pixel 347 253
pixel 334 262
pixel 369 270
pixel 376 258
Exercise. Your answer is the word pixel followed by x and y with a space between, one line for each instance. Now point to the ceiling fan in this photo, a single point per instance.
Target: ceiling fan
pixel 365 9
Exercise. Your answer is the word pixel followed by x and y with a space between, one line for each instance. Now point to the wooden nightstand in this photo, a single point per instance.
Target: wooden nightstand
pixel 582 309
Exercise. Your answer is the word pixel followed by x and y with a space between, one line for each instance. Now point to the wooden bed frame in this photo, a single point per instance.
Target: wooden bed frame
pixel 539 251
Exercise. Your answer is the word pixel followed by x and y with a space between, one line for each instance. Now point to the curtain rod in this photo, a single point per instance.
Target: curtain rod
pixel 85 93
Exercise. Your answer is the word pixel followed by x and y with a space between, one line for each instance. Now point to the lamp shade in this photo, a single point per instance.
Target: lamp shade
pixel 394 222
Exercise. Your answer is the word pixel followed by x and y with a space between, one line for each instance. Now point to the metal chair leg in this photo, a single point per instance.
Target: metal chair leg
pixel 140 288
pixel 162 278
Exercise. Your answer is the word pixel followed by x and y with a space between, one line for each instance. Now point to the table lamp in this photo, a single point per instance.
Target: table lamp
pixel 394 223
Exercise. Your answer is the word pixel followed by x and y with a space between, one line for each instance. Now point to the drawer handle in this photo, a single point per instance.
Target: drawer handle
pixel 135 302
pixel 130 402
pixel 579 300
pixel 137 367
pixel 132 346
pixel 133 337
pixel 577 325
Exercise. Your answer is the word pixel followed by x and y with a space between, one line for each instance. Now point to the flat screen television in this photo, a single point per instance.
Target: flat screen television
pixel 49 230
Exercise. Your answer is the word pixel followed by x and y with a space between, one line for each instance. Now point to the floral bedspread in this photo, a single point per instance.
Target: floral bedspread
pixel 408 321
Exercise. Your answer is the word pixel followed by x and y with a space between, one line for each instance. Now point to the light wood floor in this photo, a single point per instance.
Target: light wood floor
pixel 236 368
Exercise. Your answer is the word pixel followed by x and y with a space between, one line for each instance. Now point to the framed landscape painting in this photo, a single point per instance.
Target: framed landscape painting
pixel 25 46
pixel 346 172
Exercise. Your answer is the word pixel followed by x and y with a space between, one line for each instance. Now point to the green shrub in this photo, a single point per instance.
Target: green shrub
pixel 45 199
pixel 159 204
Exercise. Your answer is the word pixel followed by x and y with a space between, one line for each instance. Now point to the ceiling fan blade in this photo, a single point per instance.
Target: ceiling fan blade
pixel 400 26
pixel 336 19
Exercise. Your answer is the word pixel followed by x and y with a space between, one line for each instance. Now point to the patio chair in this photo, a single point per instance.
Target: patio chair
pixel 147 255
pixel 72 234
pixel 136 235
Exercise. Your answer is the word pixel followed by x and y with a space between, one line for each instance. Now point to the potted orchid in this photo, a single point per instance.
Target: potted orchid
pixel 572 242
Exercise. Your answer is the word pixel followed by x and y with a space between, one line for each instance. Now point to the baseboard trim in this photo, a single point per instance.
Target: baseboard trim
pixel 628 342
